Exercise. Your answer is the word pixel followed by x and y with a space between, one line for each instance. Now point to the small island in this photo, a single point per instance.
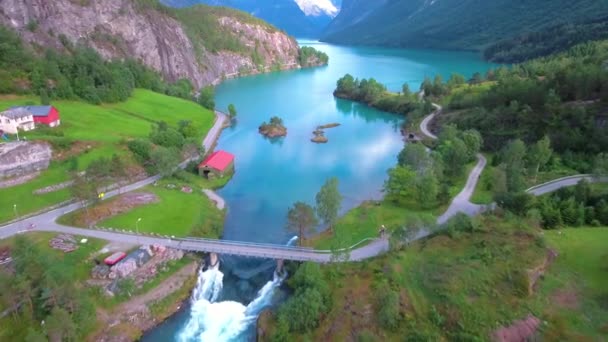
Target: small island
pixel 274 129
pixel 319 133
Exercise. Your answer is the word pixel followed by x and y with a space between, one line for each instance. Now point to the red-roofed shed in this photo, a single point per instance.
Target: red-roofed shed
pixel 218 163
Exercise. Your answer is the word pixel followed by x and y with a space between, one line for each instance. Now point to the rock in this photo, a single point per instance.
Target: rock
pixel 20 158
pixel 124 28
pixel 264 324
pixel 319 139
pixel 331 125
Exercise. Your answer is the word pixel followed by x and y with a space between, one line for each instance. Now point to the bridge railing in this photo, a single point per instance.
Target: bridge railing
pixel 244 243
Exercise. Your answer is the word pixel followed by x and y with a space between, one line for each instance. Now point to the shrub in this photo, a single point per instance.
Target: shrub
pixel 387 306
pixel 141 149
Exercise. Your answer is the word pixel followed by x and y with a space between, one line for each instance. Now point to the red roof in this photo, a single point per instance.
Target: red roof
pixel 218 160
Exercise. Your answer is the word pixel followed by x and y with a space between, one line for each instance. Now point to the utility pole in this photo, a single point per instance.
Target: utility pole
pixel 137 228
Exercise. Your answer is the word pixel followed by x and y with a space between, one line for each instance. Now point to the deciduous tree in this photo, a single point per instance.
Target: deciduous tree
pixel 329 201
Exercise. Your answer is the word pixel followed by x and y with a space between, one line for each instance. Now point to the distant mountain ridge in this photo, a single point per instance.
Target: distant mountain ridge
pixel 299 18
pixel 451 24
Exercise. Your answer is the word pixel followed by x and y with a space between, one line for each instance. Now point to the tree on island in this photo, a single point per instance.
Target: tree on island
pixel 329 201
pixel 301 219
pixel 276 121
pixel 232 111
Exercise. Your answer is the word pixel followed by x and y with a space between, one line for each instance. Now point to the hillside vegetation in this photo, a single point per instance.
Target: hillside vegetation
pixel 461 285
pixel 453 24
pixel 542 43
pixel 563 97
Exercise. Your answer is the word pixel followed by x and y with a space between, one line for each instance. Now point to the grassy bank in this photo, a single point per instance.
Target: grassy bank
pixel 175 213
pixel 104 129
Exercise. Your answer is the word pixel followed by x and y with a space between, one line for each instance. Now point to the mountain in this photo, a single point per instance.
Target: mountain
pixel 300 18
pixel 452 24
pixel 203 44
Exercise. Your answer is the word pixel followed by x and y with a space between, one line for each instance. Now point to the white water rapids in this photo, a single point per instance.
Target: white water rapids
pixel 223 321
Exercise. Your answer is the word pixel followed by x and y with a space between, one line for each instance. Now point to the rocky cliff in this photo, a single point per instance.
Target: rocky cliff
pixel 171 41
pixel 20 158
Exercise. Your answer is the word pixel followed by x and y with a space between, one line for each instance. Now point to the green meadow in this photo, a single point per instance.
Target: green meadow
pixel 104 128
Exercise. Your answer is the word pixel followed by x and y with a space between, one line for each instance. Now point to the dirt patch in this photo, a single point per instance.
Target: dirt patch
pixel 536 273
pixel 76 148
pixel 519 331
pixel 9 97
pixel 566 298
pixel 7 183
pixel 122 204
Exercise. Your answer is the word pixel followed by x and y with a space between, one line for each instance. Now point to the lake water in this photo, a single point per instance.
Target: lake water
pixel 273 174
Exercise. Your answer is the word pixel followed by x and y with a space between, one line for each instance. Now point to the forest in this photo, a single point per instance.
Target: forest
pixel 530 45
pixel 562 97
pixel 375 94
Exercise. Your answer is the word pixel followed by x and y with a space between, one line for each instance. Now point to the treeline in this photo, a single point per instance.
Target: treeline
pixel 562 97
pixel 570 207
pixel 543 43
pixel 310 56
pixel 375 94
pixel 78 72
pixel 424 177
pixel 41 288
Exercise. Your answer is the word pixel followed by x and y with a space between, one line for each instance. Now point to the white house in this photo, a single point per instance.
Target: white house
pixel 16 119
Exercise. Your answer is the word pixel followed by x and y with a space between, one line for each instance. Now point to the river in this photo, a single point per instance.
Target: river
pixel 272 175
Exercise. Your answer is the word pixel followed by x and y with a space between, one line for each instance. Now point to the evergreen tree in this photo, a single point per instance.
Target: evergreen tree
pixel 301 219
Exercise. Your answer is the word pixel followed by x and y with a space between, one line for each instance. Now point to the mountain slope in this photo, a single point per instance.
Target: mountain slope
pixel 300 18
pixel 451 24
pixel 203 44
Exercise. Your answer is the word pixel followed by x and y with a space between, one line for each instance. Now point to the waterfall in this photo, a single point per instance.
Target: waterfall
pixel 211 320
pixel 292 241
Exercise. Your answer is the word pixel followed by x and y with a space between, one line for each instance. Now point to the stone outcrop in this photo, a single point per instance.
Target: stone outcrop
pixel 522 330
pixel 20 158
pixel 122 28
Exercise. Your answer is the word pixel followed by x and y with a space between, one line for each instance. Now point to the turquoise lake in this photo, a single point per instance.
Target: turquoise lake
pixel 272 175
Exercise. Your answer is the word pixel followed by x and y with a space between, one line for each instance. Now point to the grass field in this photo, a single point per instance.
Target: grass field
pixel 105 128
pixel 177 213
pixel 364 221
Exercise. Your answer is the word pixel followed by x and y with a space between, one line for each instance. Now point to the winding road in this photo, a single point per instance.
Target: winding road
pixel 461 203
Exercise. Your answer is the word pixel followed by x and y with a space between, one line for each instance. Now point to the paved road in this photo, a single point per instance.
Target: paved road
pixel 425 123
pixel 564 182
pixel 214 197
pixel 462 202
pixel 214 132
